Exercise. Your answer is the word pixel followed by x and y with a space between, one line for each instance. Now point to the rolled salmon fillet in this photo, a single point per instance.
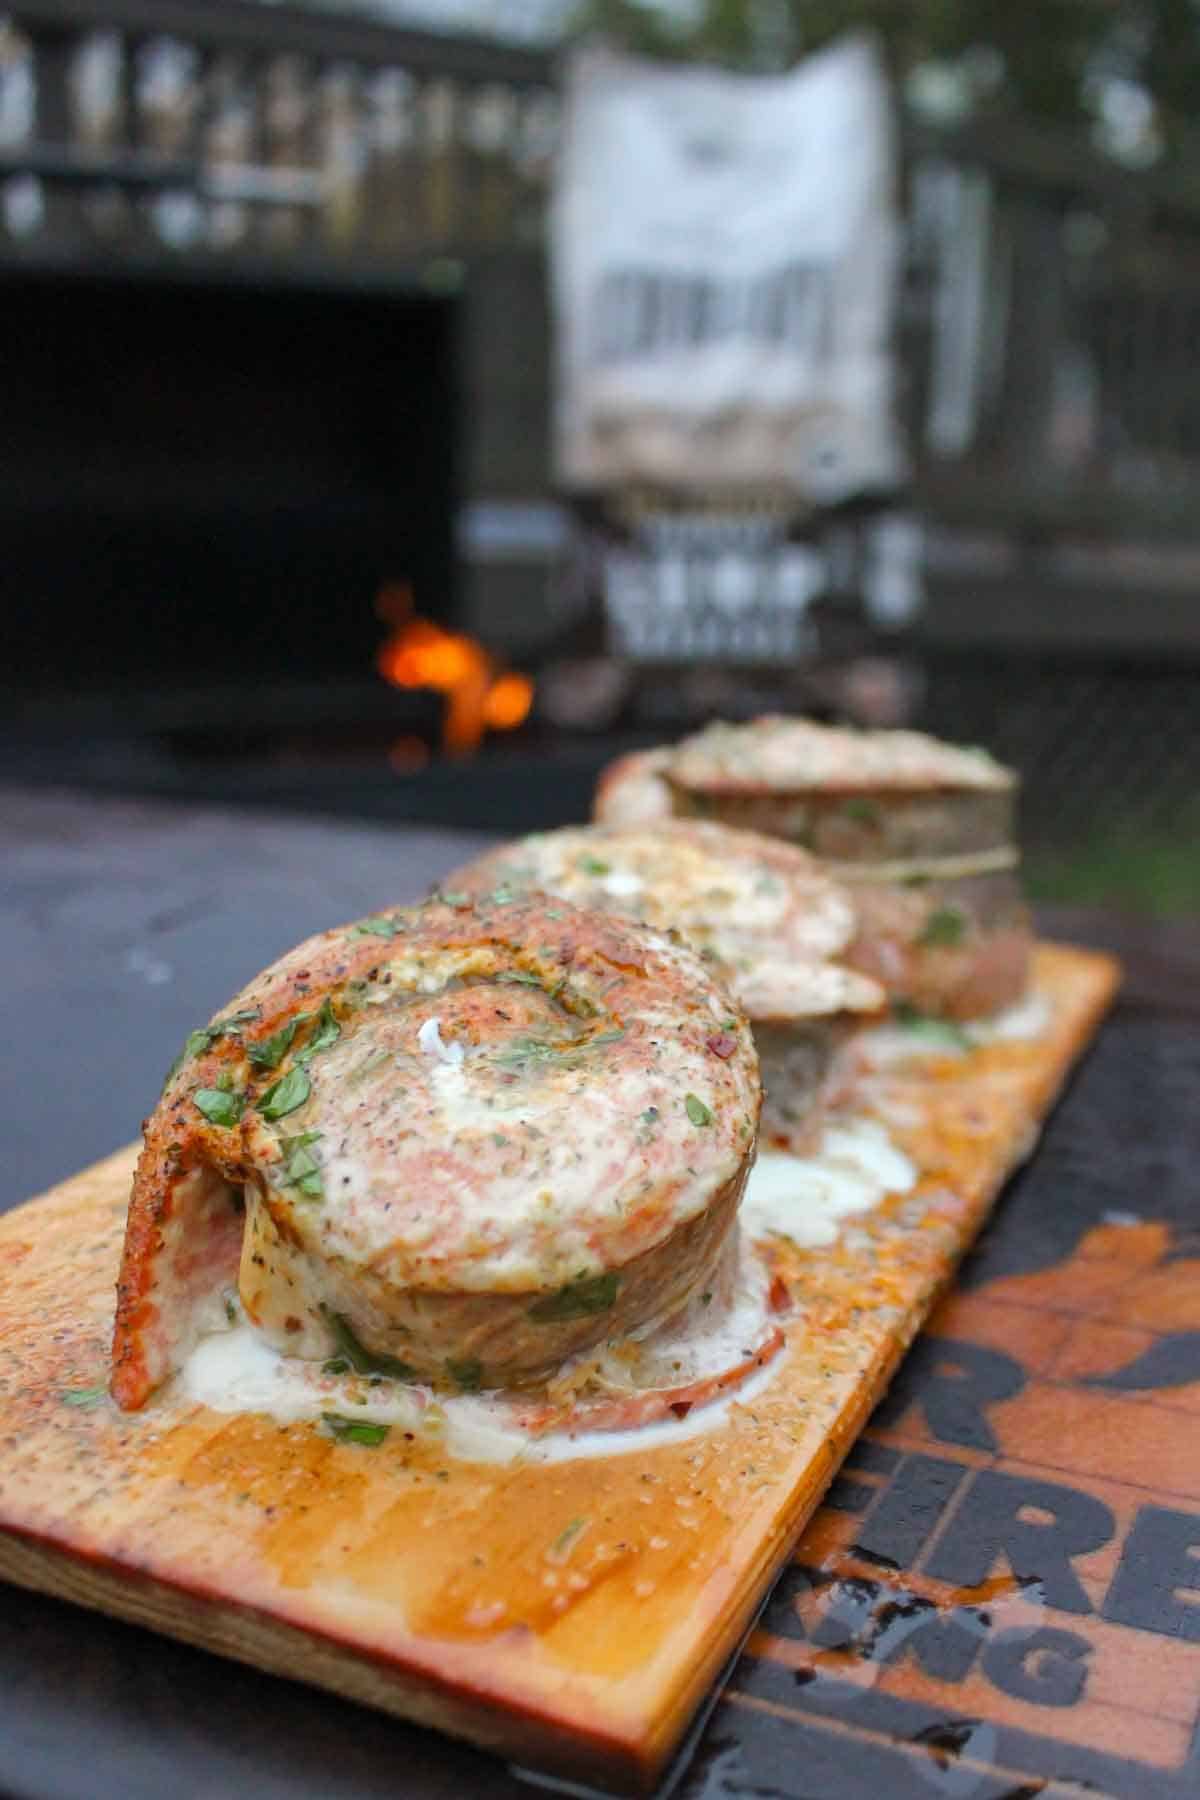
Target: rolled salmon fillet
pixel 764 915
pixel 456 1142
pixel 920 832
pixel 634 789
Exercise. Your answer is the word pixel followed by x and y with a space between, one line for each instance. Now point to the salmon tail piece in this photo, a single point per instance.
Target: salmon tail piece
pixel 183 1243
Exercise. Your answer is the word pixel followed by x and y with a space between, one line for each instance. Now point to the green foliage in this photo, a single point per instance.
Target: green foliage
pixel 1041 63
pixel 1154 873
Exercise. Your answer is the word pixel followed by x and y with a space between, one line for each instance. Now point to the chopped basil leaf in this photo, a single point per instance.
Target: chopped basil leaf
pixel 84 1398
pixel 861 810
pixel 369 1065
pixel 301 1168
pixel 285 1095
pixel 578 1300
pixel 526 1049
pixel 946 925
pixel 943 1031
pixel 554 912
pixel 327 1032
pixel 383 925
pixel 502 896
pixel 229 1301
pixel 197 1042
pixel 594 865
pixel 454 899
pixel 271 1051
pixel 650 1116
pixel 519 976
pixel 536 1050
pixel 468 1374
pixel 355 1431
pixel 706 1299
pixel 567 1536
pixel 337 1365
pixel 219 1106
pixel 362 1360
pixel 697 1112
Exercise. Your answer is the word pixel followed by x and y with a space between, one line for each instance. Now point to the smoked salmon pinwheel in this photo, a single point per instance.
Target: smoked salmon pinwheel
pixel 922 834
pixel 459 1142
pixel 764 915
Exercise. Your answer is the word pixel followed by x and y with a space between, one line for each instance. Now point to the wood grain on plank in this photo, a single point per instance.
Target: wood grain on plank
pixel 572 1615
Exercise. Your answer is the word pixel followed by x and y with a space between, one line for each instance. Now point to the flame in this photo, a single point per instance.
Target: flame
pixel 420 654
pixel 508 702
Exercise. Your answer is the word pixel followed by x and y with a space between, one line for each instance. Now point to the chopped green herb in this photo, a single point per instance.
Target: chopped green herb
pixel 861 810
pixel 519 976
pixel 525 1050
pixel 336 1365
pixel 362 1360
pixel 327 1031
pixel 565 1542
pixel 578 1300
pixel 355 1431
pixel 706 1299
pixel 383 925
pixel 697 1112
pixel 370 1065
pixel 468 1374
pixel 593 865
pixel 650 1116
pixel 271 1051
pixel 84 1398
pixel 197 1042
pixel 229 1301
pixel 569 1056
pixel 554 912
pixel 502 896
pixel 301 1168
pixel 285 1095
pixel 219 1106
pixel 946 925
pixel 453 899
pixel 938 1031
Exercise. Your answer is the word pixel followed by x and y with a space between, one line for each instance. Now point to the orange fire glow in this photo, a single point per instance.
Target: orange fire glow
pixel 508 702
pixel 420 654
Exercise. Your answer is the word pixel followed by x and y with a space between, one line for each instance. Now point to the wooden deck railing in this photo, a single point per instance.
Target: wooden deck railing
pixel 186 128
pixel 1051 325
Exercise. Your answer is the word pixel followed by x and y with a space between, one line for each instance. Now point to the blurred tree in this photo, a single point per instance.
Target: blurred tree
pixel 1127 69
